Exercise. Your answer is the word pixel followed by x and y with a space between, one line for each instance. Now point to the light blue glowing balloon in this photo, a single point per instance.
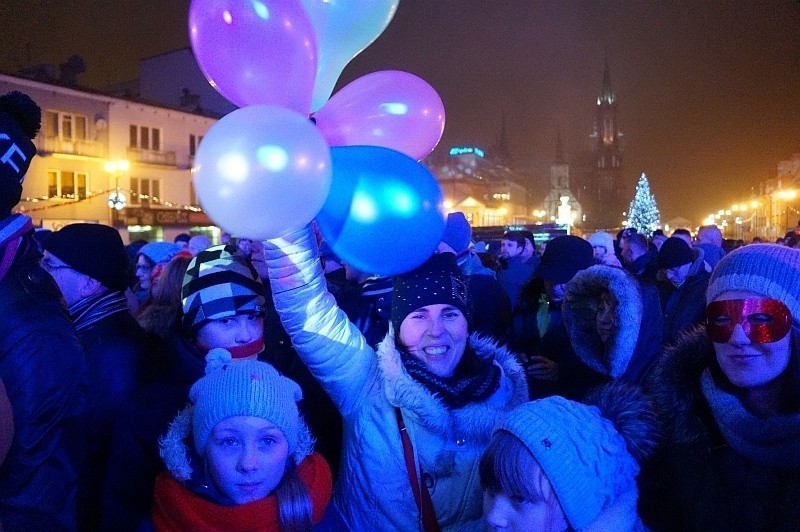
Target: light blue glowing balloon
pixel 384 213
pixel 262 171
pixel 343 28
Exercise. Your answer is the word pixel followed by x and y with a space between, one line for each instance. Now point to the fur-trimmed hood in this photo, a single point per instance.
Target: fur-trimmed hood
pixel 174 451
pixel 580 309
pixel 474 420
pixel 674 386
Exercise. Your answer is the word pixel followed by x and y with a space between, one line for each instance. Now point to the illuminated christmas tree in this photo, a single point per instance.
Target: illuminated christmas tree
pixel 643 213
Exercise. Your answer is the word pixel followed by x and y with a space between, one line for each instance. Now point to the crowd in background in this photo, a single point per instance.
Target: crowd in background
pixel 612 382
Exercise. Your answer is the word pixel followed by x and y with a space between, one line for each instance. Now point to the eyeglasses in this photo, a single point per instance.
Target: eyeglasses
pixel 50 266
pixel 763 320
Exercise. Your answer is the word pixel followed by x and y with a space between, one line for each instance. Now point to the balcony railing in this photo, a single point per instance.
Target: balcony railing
pixel 164 158
pixel 89 148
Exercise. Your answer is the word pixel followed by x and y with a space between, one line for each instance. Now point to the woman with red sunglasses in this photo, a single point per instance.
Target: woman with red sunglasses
pixel 729 398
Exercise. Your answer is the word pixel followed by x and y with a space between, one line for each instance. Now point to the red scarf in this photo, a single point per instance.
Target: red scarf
pixel 177 509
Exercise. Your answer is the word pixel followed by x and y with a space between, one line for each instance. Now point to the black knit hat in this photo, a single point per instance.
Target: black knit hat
pixel 20 119
pixel 437 281
pixel 92 249
pixel 563 257
pixel 674 252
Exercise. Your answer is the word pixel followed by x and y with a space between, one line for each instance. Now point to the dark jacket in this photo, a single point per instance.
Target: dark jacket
pixel 42 366
pixel 687 304
pixel 116 348
pixel 698 481
pixel 490 307
pixel 134 460
pixel 513 276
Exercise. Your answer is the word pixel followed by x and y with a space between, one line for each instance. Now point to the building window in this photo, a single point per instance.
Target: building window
pixel 145 191
pixel 65 126
pixel 67 184
pixel 192 194
pixel 145 138
pixel 192 145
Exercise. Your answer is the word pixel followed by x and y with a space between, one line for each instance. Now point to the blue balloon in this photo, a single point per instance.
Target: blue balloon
pixel 384 213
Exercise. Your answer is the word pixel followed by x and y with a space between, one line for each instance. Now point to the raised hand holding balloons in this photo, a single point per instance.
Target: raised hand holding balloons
pixel 262 171
pixel 256 51
pixel 384 212
pixel 343 28
pixel 389 108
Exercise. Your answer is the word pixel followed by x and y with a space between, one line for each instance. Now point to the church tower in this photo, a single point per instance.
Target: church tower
pixel 608 191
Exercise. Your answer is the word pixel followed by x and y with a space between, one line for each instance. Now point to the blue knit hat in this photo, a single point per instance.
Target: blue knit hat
pixel 769 270
pixel 581 453
pixel 159 252
pixel 247 388
pixel 457 232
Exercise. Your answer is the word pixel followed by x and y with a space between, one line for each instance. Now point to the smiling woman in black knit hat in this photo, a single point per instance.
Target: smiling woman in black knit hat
pixel 417 412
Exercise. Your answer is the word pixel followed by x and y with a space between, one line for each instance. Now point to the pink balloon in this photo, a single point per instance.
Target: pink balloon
pixel 256 52
pixel 390 108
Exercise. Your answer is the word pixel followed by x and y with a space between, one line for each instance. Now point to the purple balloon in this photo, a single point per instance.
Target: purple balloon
pixel 256 52
pixel 389 108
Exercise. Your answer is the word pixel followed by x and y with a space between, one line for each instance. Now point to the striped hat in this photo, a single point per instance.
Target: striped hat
pixel 768 270
pixel 220 283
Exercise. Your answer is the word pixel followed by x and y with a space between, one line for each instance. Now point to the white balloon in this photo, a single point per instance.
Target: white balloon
pixel 262 171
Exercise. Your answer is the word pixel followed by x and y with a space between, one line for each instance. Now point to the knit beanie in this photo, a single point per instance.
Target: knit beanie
pixel 604 240
pixel 160 252
pixel 674 252
pixel 581 453
pixel 220 283
pixel 247 388
pixel 92 249
pixel 457 232
pixel 20 120
pixel 437 281
pixel 767 269
pixel 563 257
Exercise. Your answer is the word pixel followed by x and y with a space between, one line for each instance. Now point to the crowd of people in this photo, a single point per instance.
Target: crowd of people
pixel 626 382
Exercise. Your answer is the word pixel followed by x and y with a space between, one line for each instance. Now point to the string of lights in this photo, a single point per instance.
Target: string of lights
pixel 58 200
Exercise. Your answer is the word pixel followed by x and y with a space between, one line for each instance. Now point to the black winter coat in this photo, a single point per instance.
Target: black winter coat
pixel 697 481
pixel 42 366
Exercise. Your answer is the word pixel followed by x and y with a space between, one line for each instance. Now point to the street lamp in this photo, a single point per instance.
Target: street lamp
pixel 116 199
pixel 786 195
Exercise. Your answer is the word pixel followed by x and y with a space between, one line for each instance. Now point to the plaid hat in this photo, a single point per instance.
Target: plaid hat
pixel 766 269
pixel 674 252
pixel 581 453
pixel 95 250
pixel 457 232
pixel 20 120
pixel 220 283
pixel 247 388
pixel 563 257
pixel 437 281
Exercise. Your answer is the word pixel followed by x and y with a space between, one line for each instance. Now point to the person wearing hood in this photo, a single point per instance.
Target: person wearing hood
pixel 490 306
pixel 728 396
pixel 240 456
pixel 555 465
pixel 419 410
pixel 688 273
pixel 613 322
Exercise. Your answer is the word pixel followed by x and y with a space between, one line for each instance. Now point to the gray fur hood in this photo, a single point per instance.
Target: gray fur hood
pixel 579 311
pixel 477 419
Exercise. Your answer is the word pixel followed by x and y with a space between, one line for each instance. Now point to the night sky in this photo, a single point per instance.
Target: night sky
pixel 708 90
